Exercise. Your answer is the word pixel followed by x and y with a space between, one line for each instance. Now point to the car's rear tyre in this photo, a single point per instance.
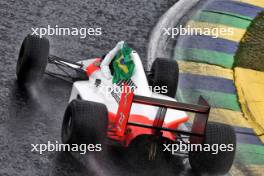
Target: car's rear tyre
pixel 84 122
pixel 165 72
pixel 215 164
pixel 32 59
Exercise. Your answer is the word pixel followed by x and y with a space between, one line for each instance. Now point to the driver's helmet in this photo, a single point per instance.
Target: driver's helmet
pixel 120 62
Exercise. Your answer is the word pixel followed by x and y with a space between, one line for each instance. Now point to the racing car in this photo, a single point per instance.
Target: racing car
pixel 118 118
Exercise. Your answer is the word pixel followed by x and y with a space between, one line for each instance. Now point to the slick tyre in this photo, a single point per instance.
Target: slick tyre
pixel 165 72
pixel 221 162
pixel 84 122
pixel 32 59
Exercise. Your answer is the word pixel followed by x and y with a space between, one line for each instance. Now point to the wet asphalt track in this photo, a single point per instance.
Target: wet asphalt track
pixel 36 116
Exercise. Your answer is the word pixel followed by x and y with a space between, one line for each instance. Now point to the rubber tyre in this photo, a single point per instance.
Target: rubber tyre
pixel 84 122
pixel 32 59
pixel 165 72
pixel 215 164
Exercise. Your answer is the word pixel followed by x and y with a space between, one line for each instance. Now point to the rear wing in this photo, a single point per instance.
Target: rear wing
pixel 202 110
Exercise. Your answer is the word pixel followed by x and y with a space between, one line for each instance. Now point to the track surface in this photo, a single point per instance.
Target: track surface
pixel 36 116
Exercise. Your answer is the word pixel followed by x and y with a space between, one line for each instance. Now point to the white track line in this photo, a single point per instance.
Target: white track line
pixel 169 19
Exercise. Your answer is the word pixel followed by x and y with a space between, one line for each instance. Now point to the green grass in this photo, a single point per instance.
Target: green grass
pixel 250 53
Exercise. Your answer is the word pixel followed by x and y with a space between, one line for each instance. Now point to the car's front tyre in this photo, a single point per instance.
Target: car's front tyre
pixel 165 72
pixel 32 59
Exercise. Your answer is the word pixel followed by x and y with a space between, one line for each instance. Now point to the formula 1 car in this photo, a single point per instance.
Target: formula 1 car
pixel 119 118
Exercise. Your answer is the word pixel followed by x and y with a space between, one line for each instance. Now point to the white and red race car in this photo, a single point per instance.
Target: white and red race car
pixel 98 113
